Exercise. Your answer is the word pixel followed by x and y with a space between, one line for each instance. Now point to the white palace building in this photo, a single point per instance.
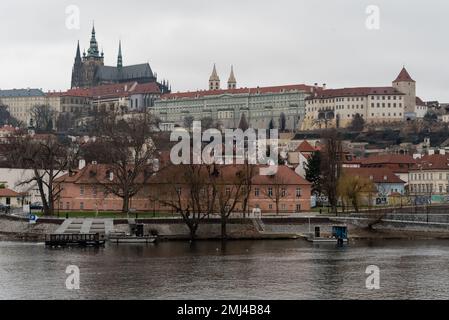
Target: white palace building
pixel 290 107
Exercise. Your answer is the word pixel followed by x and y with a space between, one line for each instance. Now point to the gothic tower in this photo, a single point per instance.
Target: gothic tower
pixel 406 85
pixel 77 70
pixel 120 58
pixel 232 83
pixel 214 80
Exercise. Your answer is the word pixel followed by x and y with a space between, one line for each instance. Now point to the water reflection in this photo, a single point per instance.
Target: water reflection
pixel 232 270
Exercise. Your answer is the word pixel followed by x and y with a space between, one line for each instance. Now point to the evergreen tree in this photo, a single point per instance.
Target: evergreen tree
pixel 243 123
pixel 358 123
pixel 313 172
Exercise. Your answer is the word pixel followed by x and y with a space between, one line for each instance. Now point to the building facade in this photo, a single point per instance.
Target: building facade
pixel 20 102
pixel 430 177
pixel 338 107
pixel 84 190
pixel 282 106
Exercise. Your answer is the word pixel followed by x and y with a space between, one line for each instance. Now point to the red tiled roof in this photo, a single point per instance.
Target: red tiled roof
pixel 377 175
pixel 147 88
pixel 404 76
pixel 353 92
pixel 5 192
pixel 109 90
pixel 305 147
pixel 389 159
pixel 433 162
pixel 419 102
pixel 249 91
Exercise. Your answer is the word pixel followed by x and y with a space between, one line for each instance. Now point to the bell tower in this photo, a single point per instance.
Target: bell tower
pixel 214 80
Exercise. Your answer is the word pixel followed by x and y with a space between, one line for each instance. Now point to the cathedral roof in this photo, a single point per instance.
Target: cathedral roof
pixel 109 73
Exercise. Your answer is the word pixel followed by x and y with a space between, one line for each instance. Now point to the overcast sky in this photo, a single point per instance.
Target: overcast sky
pixel 268 42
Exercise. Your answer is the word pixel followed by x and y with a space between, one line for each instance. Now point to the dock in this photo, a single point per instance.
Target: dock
pixel 74 239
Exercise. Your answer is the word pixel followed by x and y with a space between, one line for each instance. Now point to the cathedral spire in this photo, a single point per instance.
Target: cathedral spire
pixel 78 51
pixel 93 49
pixel 120 58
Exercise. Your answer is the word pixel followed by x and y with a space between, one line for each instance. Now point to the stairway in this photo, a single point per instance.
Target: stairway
pixel 258 223
pixel 83 226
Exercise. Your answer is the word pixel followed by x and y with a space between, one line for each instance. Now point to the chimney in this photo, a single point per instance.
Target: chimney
pixel 81 164
pixel 324 86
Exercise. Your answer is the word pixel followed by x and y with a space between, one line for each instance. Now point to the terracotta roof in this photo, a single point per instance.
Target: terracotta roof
pixel 404 76
pixel 249 91
pixel 305 147
pixel 433 162
pixel 377 175
pixel 109 90
pixel 284 175
pixel 353 92
pixel 5 192
pixel 389 159
pixel 92 174
pixel 419 102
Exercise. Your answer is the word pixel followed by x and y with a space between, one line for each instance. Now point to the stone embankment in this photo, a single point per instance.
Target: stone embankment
pixel 19 229
pixel 386 227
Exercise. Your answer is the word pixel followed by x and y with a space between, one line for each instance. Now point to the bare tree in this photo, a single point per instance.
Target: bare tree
pixel 132 154
pixel 187 190
pixel 188 122
pixel 48 158
pixel 228 185
pixel 275 190
pixel 43 117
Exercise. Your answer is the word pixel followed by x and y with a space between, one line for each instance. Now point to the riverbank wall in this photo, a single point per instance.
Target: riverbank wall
pixel 389 227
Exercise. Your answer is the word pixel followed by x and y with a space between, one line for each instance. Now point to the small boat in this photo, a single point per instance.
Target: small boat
pixel 121 238
pixel 325 240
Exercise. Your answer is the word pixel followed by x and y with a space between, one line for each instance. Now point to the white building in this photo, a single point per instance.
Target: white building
pixel 337 107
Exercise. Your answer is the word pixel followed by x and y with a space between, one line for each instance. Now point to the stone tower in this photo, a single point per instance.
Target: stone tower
pixel 232 83
pixel 406 85
pixel 214 80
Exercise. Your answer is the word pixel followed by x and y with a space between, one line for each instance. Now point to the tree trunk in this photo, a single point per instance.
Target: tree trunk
pixel 192 229
pixel 125 207
pixel 224 235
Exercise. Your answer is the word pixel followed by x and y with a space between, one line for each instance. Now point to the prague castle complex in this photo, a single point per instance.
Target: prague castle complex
pixel 89 70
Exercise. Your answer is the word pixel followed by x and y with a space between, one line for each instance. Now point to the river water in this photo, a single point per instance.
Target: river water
pixel 238 270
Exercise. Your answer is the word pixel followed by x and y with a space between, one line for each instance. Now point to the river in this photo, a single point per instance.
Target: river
pixel 238 270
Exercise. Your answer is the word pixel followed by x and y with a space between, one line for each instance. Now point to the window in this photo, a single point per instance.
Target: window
pixel 270 191
pixel 81 205
pixel 298 192
pixel 81 190
pixel 256 192
pixel 283 192
pixel 298 207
